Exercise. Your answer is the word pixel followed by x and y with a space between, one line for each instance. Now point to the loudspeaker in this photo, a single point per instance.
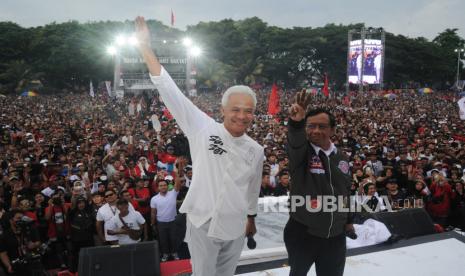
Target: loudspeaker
pixel 138 259
pixel 407 223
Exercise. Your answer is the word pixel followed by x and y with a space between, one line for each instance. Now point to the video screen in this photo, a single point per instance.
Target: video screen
pixel 372 60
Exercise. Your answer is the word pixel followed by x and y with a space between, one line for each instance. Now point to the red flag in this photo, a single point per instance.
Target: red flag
pixel 172 18
pixel 273 101
pixel 325 88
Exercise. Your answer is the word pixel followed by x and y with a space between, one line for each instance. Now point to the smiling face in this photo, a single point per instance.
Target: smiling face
pixel 238 113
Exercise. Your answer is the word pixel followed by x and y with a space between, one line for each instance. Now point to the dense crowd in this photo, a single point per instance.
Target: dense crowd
pixel 79 171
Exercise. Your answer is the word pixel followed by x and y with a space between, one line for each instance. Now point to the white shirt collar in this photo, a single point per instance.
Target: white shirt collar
pixel 332 148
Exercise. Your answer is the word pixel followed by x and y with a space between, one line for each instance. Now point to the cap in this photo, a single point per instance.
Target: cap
pixel 169 178
pixel 74 178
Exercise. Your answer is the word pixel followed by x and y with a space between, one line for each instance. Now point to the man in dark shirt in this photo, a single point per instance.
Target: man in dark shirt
pixel 283 186
pixel 20 243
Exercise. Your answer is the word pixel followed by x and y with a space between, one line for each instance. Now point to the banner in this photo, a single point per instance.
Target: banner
pixel 108 85
pixel 273 101
pixel 461 104
pixel 372 53
pixel 92 94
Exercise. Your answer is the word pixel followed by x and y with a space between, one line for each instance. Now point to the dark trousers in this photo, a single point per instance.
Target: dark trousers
pixel 329 255
pixel 76 247
pixel 167 236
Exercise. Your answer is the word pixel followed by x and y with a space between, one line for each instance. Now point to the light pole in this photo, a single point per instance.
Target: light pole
pixel 458 51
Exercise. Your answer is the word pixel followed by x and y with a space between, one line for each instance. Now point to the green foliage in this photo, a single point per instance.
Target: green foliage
pixel 248 51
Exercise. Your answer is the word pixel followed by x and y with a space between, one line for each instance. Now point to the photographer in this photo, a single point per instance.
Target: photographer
pixel 58 226
pixel 19 244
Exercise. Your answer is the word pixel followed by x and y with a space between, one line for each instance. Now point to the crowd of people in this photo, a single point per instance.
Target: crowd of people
pixel 80 171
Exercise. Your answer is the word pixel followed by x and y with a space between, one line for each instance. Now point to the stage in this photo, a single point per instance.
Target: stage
pixel 437 254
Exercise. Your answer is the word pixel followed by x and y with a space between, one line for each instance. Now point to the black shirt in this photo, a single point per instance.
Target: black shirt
pixel 10 242
pixel 280 190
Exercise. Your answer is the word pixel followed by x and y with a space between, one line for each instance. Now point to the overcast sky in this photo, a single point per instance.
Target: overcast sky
pixel 408 17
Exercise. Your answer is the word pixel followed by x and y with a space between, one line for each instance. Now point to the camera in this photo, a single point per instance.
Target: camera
pixel 25 224
pixel 56 201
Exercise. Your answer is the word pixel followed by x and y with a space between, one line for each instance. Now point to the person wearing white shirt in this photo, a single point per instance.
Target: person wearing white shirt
pixel 125 221
pixel 163 207
pixel 104 216
pixel 227 165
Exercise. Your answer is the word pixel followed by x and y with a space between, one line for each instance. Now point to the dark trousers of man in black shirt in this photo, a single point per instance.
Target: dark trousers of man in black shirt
pixel 329 255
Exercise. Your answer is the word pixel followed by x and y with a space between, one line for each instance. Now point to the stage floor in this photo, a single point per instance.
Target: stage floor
pixel 439 254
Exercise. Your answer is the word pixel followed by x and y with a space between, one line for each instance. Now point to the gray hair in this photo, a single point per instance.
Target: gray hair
pixel 238 89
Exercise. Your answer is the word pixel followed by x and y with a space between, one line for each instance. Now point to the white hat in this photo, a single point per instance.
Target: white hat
pixel 169 178
pixel 79 164
pixel 44 161
pixel 74 178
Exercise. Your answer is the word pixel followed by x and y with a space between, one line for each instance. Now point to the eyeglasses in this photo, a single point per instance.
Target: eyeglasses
pixel 108 195
pixel 320 126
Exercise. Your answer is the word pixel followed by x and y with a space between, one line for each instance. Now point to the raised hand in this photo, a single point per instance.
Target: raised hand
pixel 145 49
pixel 299 107
pixel 142 32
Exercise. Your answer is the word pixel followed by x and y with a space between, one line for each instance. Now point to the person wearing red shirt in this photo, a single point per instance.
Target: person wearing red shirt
pixel 441 195
pixel 144 168
pixel 141 195
pixel 58 225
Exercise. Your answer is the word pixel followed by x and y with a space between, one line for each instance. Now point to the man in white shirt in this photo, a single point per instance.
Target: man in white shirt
pixel 104 216
pixel 227 165
pixel 120 225
pixel 163 206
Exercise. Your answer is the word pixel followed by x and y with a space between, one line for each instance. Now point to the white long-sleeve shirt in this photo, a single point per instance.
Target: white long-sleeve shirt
pixel 227 170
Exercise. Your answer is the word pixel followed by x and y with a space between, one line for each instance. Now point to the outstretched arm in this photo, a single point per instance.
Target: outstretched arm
pixel 145 48
pixel 190 118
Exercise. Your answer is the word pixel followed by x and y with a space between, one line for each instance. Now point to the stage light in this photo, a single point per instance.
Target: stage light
pixel 111 50
pixel 187 42
pixel 133 41
pixel 120 40
pixel 195 51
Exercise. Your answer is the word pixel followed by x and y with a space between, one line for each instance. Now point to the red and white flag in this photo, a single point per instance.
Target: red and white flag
pixel 172 18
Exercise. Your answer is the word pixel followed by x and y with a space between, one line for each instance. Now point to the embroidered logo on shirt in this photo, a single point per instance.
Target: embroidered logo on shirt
pixel 344 167
pixel 215 143
pixel 316 166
